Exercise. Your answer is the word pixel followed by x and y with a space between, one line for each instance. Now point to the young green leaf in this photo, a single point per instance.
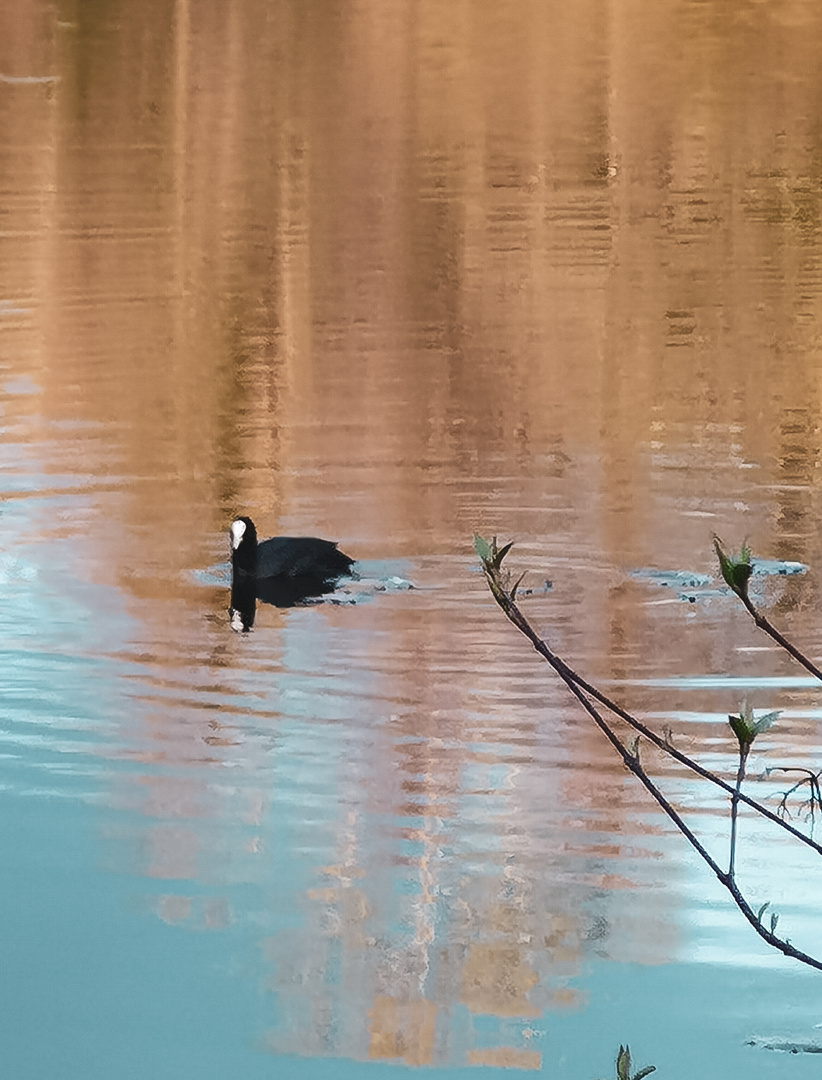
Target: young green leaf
pixel 623 1066
pixel 740 729
pixel 764 722
pixel 736 569
pixel 482 548
pixel 746 727
pixel 623 1063
pixel 741 573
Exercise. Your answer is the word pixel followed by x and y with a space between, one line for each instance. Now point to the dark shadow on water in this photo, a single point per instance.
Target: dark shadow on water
pixel 281 592
pixel 369 581
pixel 287 591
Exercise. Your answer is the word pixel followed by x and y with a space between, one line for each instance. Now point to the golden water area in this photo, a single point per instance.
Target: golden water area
pixel 394 273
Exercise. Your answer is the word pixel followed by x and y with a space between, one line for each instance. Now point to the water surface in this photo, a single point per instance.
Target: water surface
pixel 392 274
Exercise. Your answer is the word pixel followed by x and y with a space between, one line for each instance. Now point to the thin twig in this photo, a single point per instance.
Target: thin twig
pixel 810 778
pixel 580 689
pixel 740 776
pixel 515 616
pixel 765 624
pixel 727 879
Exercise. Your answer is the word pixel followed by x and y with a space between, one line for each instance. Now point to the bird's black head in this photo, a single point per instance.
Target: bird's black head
pixel 243 545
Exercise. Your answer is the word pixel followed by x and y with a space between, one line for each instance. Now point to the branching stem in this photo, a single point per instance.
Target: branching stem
pixel 740 776
pixel 765 624
pixel 586 694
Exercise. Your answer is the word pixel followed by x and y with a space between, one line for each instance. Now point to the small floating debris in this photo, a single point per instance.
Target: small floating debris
pixel 785 1046
pixel 777 567
pixel 536 590
pixel 393 584
pixel 692 586
pixel 673 579
pixel 358 590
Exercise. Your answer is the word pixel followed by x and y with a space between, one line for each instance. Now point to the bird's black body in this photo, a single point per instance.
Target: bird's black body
pixel 284 569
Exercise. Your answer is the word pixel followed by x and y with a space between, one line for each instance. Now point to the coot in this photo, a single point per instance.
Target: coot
pixel 290 566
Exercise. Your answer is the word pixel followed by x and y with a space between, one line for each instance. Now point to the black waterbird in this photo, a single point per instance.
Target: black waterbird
pixel 283 570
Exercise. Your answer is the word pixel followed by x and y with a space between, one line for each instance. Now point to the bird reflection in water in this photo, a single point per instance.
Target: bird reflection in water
pixel 243 605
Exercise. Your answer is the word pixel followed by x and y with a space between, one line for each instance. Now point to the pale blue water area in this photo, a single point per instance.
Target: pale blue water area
pixel 213 970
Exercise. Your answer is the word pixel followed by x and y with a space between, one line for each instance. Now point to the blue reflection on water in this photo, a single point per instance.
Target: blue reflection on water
pixel 236 967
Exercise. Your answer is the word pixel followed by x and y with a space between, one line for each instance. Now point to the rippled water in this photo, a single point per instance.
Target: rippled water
pixel 393 274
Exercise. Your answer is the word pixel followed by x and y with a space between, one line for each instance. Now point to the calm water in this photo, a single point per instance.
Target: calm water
pixel 392 273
